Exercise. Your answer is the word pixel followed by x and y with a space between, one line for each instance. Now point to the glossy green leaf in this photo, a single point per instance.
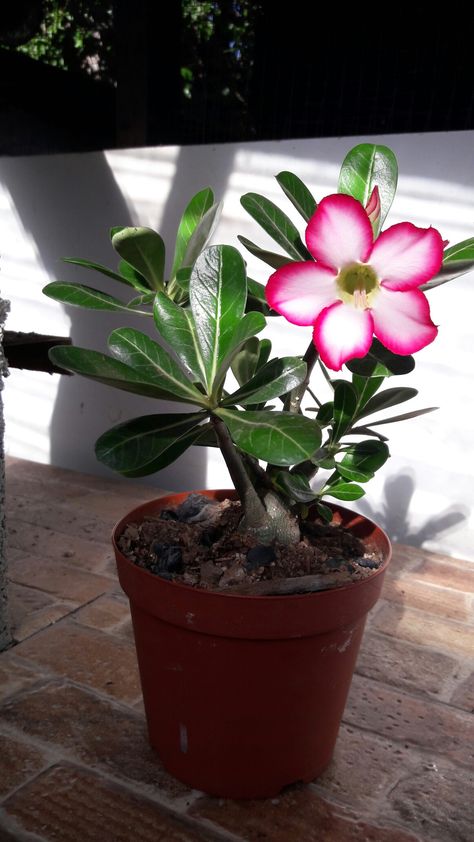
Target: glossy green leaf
pixel 324 512
pixel 324 458
pixel 366 166
pixel 183 277
pixel 217 292
pixel 276 437
pixel 457 260
pixel 361 460
pixel 144 250
pixel 460 251
pixel 276 261
pixel 142 301
pixel 385 399
pixel 344 491
pixel 201 235
pixel 272 380
pixel 325 413
pixel 295 486
pixel 276 224
pixel 192 216
pixel 104 369
pixel 78 295
pixel 366 387
pixel 298 194
pixel 134 278
pixel 345 403
pixel 380 362
pixel 97 267
pixel 149 359
pixel 175 324
pixel 256 299
pixel 247 327
pixel 253 354
pixel 404 417
pixel 144 445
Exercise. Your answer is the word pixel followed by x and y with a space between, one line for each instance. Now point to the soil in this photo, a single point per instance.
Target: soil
pixel 198 544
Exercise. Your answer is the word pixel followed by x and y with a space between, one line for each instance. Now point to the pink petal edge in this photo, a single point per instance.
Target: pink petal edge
pixel 402 320
pixel 299 291
pixel 405 256
pixel 341 333
pixel 339 232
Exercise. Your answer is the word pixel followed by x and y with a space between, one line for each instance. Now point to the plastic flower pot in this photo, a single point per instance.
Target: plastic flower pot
pixel 244 694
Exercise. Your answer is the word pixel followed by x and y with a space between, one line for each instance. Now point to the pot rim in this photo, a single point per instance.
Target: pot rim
pixel 230 493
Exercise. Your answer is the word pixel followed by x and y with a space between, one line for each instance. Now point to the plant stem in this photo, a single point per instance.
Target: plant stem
pixel 253 506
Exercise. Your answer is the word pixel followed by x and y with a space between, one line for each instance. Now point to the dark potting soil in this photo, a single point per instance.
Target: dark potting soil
pixel 198 544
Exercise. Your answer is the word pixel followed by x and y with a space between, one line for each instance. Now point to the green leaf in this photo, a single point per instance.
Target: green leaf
pixel 345 403
pixel 344 491
pixel 404 417
pixel 457 260
pixel 147 444
pixel 142 301
pixel 298 194
pixel 361 460
pixel 276 224
pixel 272 380
pixel 183 277
pixel 256 299
pixel 97 267
pixel 175 324
pixel 385 399
pixel 144 250
pixel 367 166
pixel 365 388
pixel 324 512
pixel 247 327
pixel 107 370
pixel 149 359
pixel 201 235
pixel 134 278
pixel 324 458
pixel 295 486
pixel 78 295
pixel 192 216
pixel 380 362
pixel 280 438
pixel 217 292
pixel 276 261
pixel 325 413
pixel 253 354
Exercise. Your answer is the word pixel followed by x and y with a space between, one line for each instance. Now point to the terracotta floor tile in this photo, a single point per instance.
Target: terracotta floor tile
pixel 60 579
pixel 100 733
pixel 430 597
pixel 108 612
pixel 399 621
pixel 86 656
pixel 410 720
pixel 297 815
pixel 18 762
pixel 15 675
pixel 463 696
pixel 38 542
pixel 404 664
pixel 68 804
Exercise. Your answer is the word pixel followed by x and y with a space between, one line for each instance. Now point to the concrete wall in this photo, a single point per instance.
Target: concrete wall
pixel 4 625
pixel 63 205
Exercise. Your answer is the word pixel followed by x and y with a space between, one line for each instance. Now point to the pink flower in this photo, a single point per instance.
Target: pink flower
pixel 357 287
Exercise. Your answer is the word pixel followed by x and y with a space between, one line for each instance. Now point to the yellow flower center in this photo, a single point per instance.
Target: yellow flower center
pixel 358 285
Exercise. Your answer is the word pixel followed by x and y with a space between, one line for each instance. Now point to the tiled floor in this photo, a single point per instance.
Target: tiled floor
pixel 75 765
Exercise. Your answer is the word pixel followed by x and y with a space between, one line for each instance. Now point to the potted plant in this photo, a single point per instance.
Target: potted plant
pixel 246 660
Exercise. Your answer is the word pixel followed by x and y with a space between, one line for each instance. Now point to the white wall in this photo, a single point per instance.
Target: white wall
pixel 63 205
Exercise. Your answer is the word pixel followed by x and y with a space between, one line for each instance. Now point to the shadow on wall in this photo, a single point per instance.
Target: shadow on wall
pixel 393 514
pixel 67 203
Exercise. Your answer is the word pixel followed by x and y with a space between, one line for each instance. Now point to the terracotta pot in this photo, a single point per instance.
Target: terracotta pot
pixel 244 695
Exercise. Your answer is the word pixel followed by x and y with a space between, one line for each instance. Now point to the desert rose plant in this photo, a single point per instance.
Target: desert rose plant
pixel 360 287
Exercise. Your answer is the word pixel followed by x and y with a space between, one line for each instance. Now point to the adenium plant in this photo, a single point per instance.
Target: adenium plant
pixel 360 287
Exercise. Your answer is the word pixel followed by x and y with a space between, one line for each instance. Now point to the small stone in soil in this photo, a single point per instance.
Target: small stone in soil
pixel 335 563
pixel 194 509
pixel 259 556
pixel 367 562
pixel 169 558
pixel 168 514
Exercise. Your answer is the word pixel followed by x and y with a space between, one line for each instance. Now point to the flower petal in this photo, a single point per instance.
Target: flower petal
pixel 402 320
pixel 299 291
pixel 339 232
pixel 405 256
pixel 341 333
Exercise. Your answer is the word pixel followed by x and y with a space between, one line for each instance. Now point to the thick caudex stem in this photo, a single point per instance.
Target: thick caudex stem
pixel 264 515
